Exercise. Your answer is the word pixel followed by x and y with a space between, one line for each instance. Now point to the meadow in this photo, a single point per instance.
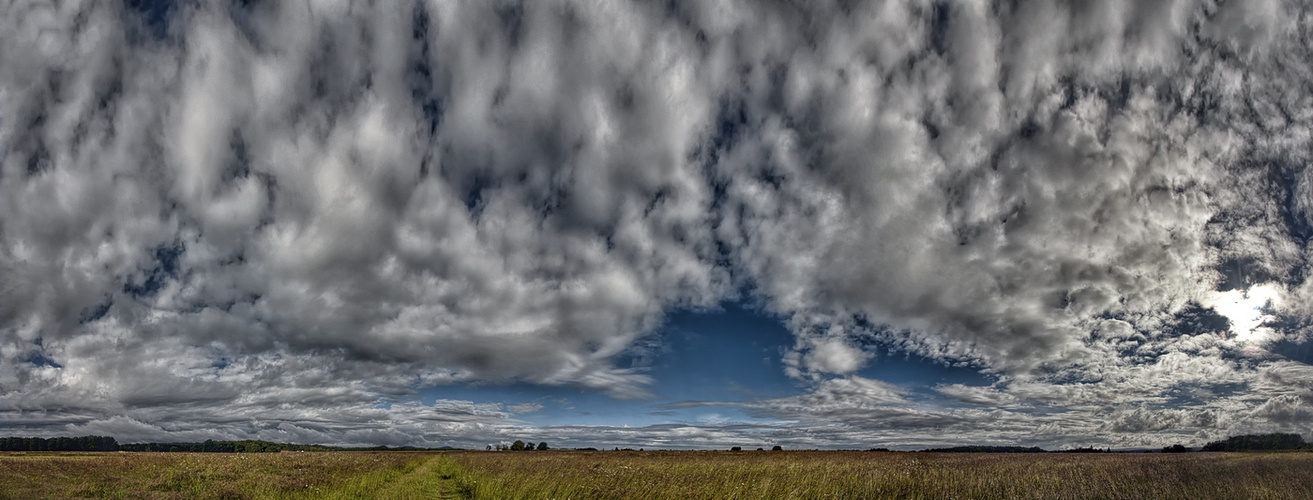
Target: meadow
pixel 655 475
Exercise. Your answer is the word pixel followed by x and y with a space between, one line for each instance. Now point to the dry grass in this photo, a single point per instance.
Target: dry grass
pixel 752 475
pixel 654 475
pixel 213 475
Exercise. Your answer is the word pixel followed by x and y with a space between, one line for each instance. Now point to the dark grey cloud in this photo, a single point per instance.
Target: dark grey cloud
pixel 226 212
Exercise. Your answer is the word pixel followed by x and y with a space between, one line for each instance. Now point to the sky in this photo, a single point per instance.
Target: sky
pixel 680 224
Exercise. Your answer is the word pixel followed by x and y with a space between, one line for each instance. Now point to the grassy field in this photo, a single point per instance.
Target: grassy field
pixel 224 475
pixel 653 475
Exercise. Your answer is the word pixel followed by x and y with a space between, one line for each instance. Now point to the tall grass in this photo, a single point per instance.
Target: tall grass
pixel 753 475
pixel 211 476
pixel 654 475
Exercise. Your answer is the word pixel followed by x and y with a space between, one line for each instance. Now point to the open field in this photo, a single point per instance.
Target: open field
pixel 652 475
pixel 221 475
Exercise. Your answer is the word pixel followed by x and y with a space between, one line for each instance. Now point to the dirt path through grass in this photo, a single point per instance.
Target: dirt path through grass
pixel 435 478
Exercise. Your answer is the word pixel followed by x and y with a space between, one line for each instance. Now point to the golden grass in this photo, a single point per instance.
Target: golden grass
pixel 654 475
pixel 212 475
pixel 799 474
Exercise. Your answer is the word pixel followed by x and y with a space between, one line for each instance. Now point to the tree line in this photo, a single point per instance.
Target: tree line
pixel 106 443
pixel 212 446
pixel 518 446
pixel 256 446
pixel 1251 442
pixel 988 449
pixel 1248 442
pixel 1254 442
pixel 84 443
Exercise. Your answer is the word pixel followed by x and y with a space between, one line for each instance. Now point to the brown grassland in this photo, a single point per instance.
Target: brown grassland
pixel 654 475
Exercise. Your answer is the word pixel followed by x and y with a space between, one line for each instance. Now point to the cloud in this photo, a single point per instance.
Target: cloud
pixel 525 408
pixel 834 356
pixel 986 396
pixel 276 209
pixel 281 183
pixel 990 230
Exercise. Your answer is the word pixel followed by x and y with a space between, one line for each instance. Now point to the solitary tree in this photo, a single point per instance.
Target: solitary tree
pixel 517 445
pixel 542 446
pixel 777 448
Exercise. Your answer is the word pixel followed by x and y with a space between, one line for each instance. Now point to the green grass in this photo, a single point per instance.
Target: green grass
pixel 751 475
pixel 332 475
pixel 654 475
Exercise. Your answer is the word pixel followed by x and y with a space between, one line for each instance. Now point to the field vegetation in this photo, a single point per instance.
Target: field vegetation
pixel 655 475
pixel 830 474
pixel 328 475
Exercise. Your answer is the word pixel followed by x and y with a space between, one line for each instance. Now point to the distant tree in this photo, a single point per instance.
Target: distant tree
pixel 83 443
pixel 489 448
pixel 987 449
pixel 761 449
pixel 1176 448
pixel 736 448
pixel 777 448
pixel 542 445
pixel 517 445
pixel 245 446
pixel 1276 441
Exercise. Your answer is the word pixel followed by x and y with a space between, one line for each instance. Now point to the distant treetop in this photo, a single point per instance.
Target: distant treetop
pixel 83 443
pixel 1250 442
pixel 988 449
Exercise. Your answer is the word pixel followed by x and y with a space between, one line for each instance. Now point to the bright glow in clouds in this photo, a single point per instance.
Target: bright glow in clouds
pixel 1245 310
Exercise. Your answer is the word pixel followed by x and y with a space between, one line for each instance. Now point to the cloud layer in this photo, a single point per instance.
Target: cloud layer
pixel 270 217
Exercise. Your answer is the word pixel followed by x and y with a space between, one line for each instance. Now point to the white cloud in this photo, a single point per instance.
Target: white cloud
pixel 981 395
pixel 834 355
pixel 525 408
pixel 335 206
